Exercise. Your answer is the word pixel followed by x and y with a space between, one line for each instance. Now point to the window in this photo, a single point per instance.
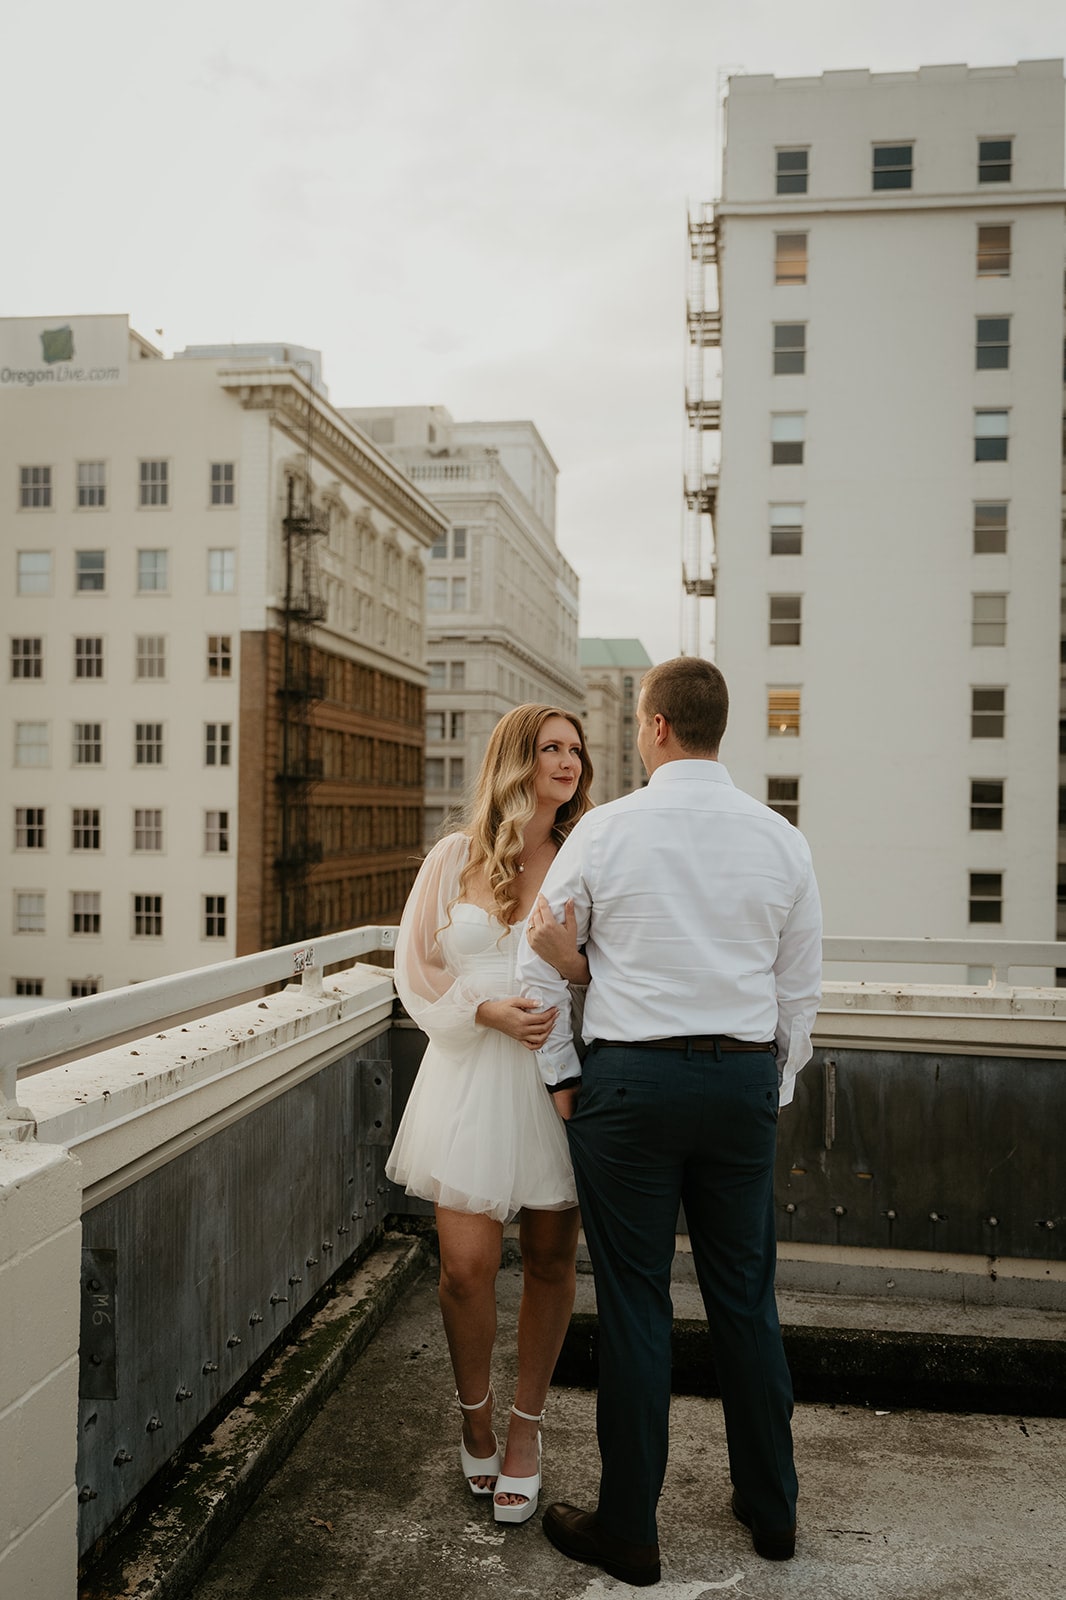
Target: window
pixel 455 773
pixel 994 160
pixel 214 916
pixel 147 831
pixel 35 488
pixel 154 483
pixel 85 829
pixel 785 618
pixel 216 832
pixel 148 916
pixel 79 988
pixel 29 986
pixel 457 725
pixel 988 713
pixel 459 544
pixel 782 796
pixel 221 571
pixel 790 347
pixel 437 670
pixel 217 742
pixel 434 725
pixel 793 170
pixel 27 658
pixel 92 485
pixel 88 657
pixel 85 911
pixel 990 435
pixel 458 594
pixel 34 572
pixel 29 912
pixel 790 258
pixel 152 575
pixel 223 483
pixel 90 571
pixel 893 166
pixel 986 897
pixel 783 712
pixel 29 827
pixel 438 550
pixel 989 619
pixel 989 527
pixel 986 804
pixel 993 343
pixel 31 744
pixel 786 530
pixel 436 594
pixel 148 744
pixel 88 744
pixel 435 772
pixel 993 249
pixel 219 656
pixel 151 656
pixel 457 675
pixel 787 430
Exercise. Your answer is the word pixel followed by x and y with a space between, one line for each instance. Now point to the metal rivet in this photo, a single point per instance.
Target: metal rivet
pixel 209 1366
pixel 154 1425
pixel 94 1284
pixel 295 1280
pixel 936 1216
pixel 840 1211
pixel 790 1208
pixel 312 1261
pixel 254 1318
pixel 343 1228
pixel 96 1361
pixel 85 1495
pixel 232 1341
pixel 993 1222
pixel 327 1244
pixel 122 1457
pixel 891 1215
pixel 279 1299
pixel 1046 1224
pixel 183 1394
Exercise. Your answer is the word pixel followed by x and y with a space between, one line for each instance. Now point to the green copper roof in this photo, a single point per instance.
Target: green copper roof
pixel 613 653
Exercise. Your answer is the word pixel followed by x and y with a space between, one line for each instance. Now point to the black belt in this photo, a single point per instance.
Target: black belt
pixel 714 1041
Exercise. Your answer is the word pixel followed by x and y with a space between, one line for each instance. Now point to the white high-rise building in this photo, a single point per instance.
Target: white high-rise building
pixel 888 510
pixel 501 599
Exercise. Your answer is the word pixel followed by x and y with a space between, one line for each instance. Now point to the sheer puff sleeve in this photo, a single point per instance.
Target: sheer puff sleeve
pixel 442 1004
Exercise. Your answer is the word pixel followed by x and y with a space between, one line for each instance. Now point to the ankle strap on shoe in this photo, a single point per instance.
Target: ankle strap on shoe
pixel 527 1416
pixel 463 1407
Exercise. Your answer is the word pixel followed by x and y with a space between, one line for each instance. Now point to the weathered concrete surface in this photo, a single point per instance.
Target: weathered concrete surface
pixel 899 1506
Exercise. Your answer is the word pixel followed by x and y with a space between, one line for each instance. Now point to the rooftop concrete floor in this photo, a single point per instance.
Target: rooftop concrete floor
pixel 900 1505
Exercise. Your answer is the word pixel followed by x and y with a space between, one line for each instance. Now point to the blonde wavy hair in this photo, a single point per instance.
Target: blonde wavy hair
pixel 504 802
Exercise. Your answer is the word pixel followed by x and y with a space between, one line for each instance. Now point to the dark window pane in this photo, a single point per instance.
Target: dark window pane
pixel 990 450
pixel 892 180
pixel 892 155
pixel 792 160
pixel 792 183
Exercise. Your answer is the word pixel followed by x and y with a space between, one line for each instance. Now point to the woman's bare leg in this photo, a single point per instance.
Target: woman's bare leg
pixel 470 1250
pixel 549 1246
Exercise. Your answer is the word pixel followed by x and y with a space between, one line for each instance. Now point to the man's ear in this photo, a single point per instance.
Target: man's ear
pixel 662 728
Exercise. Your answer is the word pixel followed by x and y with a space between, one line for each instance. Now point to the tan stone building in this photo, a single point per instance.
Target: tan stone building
pixel 213 624
pixel 612 670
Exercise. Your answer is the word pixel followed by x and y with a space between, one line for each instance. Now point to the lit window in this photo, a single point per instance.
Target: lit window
pixel 27 658
pixel 989 619
pixel 988 713
pixel 790 347
pixel 88 744
pixel 147 831
pixel 986 804
pixel 85 828
pixel 993 249
pixel 783 712
pixel 148 916
pixel 990 435
pixel 993 343
pixel 154 483
pixel 216 832
pixel 787 438
pixel 29 912
pixel 219 656
pixel 152 571
pixel 85 911
pixel 790 258
pixel 217 742
pixel 148 744
pixel 223 483
pixel 35 488
pixel 782 796
pixel 29 828
pixel 221 571
pixel 151 656
pixel 893 166
pixel 90 571
pixel 31 744
pixel 994 160
pixel 986 897
pixel 92 485
pixel 793 170
pixel 786 530
pixel 785 618
pixel 88 657
pixel 34 572
pixel 989 528
pixel 214 916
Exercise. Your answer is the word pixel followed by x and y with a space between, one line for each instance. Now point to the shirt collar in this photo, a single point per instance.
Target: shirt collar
pixel 681 771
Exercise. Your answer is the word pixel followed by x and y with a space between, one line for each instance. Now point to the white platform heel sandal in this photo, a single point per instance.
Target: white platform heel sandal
pixel 474 1466
pixel 530 1487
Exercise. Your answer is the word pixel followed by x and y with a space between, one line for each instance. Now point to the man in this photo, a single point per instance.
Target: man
pixel 700 918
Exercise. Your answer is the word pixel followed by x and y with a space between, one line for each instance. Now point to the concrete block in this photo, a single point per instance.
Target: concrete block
pixel 40 1193
pixel 38 1452
pixel 43 1564
pixel 39 1312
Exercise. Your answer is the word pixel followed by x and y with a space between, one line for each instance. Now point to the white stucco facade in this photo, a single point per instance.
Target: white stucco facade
pixel 879 622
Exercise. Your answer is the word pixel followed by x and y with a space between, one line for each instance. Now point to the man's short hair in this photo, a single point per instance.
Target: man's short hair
pixel 692 695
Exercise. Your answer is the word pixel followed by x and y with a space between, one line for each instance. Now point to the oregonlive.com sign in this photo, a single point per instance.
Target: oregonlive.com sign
pixel 79 352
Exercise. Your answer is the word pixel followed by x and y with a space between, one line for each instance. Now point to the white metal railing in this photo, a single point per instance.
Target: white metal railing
pixel 999 954
pixel 53 1031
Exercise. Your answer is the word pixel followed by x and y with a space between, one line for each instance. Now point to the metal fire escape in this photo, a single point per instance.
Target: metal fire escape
pixel 300 765
pixel 703 415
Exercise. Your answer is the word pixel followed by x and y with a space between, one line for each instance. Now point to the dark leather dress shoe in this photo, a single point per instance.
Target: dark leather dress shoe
pixel 771 1546
pixel 578 1535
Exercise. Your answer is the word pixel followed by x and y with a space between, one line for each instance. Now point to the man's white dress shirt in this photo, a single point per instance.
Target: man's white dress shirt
pixel 699 914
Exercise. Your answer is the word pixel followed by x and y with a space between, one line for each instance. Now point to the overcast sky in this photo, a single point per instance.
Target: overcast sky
pixel 473 203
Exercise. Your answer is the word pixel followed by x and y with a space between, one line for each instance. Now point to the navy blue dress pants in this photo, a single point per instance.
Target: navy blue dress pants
pixel 653 1129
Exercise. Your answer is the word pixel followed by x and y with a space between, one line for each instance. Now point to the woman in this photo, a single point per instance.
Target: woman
pixel 479 1136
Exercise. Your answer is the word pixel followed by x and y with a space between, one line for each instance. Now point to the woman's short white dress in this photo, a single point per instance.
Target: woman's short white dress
pixel 479 1132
